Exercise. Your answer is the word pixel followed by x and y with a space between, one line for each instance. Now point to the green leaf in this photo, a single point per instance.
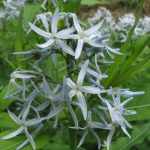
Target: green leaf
pixel 6 121
pixel 116 67
pixel 128 67
pixel 29 13
pixel 4 103
pixel 70 5
pixel 139 133
pixel 93 2
pixel 19 41
pixel 59 146
pixel 141 104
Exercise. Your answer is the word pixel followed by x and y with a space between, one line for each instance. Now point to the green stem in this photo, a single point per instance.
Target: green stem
pixel 72 132
pixel 72 139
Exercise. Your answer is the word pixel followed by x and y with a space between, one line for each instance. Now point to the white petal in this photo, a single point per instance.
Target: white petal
pixel 82 73
pixel 94 28
pixel 112 113
pixel 98 125
pixel 14 117
pixel 98 139
pixel 124 120
pixel 65 36
pixel 55 112
pixel 34 121
pixel 44 21
pixel 125 131
pixel 73 116
pixel 83 138
pixel 114 50
pixel 126 101
pixel 39 31
pixel 79 49
pixel 43 106
pixel 72 93
pixel 76 23
pixel 129 112
pixel 25 113
pixel 83 104
pixel 93 73
pixel 55 21
pixel 92 43
pixel 91 90
pixel 13 134
pixel 109 137
pixel 46 44
pixel 30 139
pixel 67 31
pixel 65 47
pixel 70 83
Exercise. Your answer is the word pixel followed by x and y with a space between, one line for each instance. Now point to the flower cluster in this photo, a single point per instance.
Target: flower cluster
pixel 122 25
pixel 92 108
pixel 11 8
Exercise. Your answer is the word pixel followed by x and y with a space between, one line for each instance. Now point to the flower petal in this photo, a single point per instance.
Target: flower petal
pixel 83 104
pixel 83 138
pixel 13 134
pixel 30 139
pixel 14 117
pixel 67 31
pixel 82 73
pixel 74 117
pixel 70 83
pixel 91 90
pixel 46 44
pixel 76 23
pixel 39 31
pixel 79 49
pixel 72 93
pixel 98 139
pixel 65 47
pixel 94 28
pixel 109 137
pixel 125 131
pixel 55 19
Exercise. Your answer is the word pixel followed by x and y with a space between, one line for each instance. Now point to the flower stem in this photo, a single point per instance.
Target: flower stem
pixel 72 139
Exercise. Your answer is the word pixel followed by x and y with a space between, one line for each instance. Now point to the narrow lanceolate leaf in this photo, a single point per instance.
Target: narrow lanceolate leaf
pixel 19 41
pixel 120 59
pixel 141 104
pixel 139 133
pixel 29 13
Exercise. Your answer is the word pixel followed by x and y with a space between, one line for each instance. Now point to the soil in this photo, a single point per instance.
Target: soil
pixel 117 8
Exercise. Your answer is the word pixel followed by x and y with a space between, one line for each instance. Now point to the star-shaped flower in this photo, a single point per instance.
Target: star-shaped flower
pixel 85 36
pixel 23 125
pixel 55 37
pixel 89 128
pixel 117 111
pixel 77 89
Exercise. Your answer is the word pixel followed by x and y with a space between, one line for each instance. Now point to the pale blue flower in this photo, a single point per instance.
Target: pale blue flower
pixel 55 37
pixel 77 89
pixel 23 75
pixel 117 111
pixel 85 36
pixel 24 124
pixel 89 128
